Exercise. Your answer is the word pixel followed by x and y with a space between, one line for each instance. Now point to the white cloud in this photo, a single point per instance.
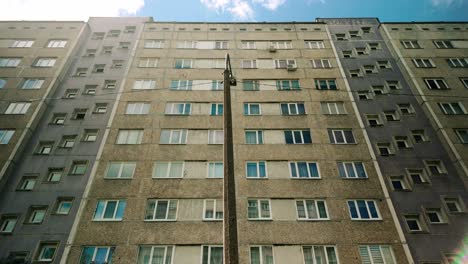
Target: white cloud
pixel 239 9
pixel 216 4
pixel 270 4
pixel 67 9
pixel 446 2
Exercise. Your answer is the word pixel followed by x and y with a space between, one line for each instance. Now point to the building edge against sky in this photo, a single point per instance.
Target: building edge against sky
pixel 341 126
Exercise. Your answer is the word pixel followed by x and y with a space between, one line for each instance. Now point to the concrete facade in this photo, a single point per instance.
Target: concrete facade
pixel 339 155
pixel 417 191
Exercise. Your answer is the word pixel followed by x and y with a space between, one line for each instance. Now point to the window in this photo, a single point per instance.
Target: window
pixel 148 62
pixel 314 44
pixel 54 175
pixel 436 84
pixel 154 44
pixel 369 69
pixel 399 183
pixel 90 53
pixel 47 250
pixel 455 108
pixel 36 214
pixel 402 142
pixel 124 45
pixel 90 89
pixel 45 62
pixel 217 85
pixel 253 137
pixel 258 209
pixel 256 169
pixel 22 44
pixel 173 136
pixel 252 109
pixel 287 85
pixel 144 84
pixel 311 210
pixel 285 44
pixel 212 255
pixel 68 141
pixel 212 209
pixel 117 64
pixel 462 134
pixel 261 255
pixel 5 136
pixel 374 120
pixel 81 72
pixel 120 170
pixel 109 210
pixel 221 45
pixel 333 108
pixel 9 62
pixel 97 255
pixel 90 135
pixel 249 64
pixel 363 210
pixel 419 136
pixel 376 254
pixel 464 82
pixel 248 45
pixel 347 53
pixel 161 210
pixel 113 33
pixel 27 183
pixel 413 223
pixel 285 64
pixel 385 149
pixel 130 136
pixel 44 147
pixel 435 167
pixel 406 109
pixel 100 108
pixel 292 109
pixel 63 206
pixel 78 167
pixel 320 255
pixel 374 46
pixel 215 170
pixel 340 36
pixel 355 73
pixel 168 169
pixel 107 50
pixel 56 43
pixel 304 170
pixel 341 136
pixel 443 44
pixel 320 63
pixel 351 169
pixel 178 108
pixel 453 205
pixel 393 85
pixel 216 109
pixel 251 85
pixel 391 115
pixel 3 82
pixel 354 34
pixel 410 44
pixel 98 35
pixel 186 44
pixel 384 65
pixel 8 223
pixel 324 84
pixel 183 64
pixel 184 85
pixel 297 137
pixel 79 113
pixel 215 137
pixel 423 63
pixel 361 51
pixel 435 216
pixel 155 254
pixel 458 62
pixel 137 109
pixel 364 95
pixel 17 108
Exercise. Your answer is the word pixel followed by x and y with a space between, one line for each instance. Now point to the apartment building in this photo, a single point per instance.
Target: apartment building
pixel 337 160
pixel 41 197
pixel 419 175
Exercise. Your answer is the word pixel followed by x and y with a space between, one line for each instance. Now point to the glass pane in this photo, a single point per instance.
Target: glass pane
pixel 150 209
pixel 372 209
pixel 331 254
pixel 110 209
pixel 300 209
pixel 250 137
pixel 314 173
pixel 360 169
pixel 252 209
pixel 303 172
pixel 362 209
pixel 319 255
pixel 216 255
pixel 349 136
pixel 321 209
pixel 99 210
pixel 164 137
pixel 158 255
pixel 172 210
pixel 265 209
pixel 255 255
pixel 120 209
pixel 350 170
pixel 308 258
pixel 209 209
pixel 267 255
pixel 284 109
pixel 338 136
pixel 307 137
pixel 251 169
pixel 87 255
pixel 160 169
pixel 100 255
pixel 262 169
pixel 288 135
pixel 298 137
pixel 352 209
pixel 161 210
pixel 311 210
pixel 301 109
pixel 219 170
pixel 254 109
pixel 292 166
pixel 176 169
pixel 127 171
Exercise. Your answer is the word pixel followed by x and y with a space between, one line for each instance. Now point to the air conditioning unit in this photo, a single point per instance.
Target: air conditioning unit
pixel 291 67
pixel 272 48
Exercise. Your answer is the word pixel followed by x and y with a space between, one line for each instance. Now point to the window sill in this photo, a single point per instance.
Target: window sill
pixel 257 220
pixel 108 178
pixel 306 178
pixel 75 174
pixel 256 178
pixel 314 220
pixel 107 220
pixel 367 220
pixel 156 221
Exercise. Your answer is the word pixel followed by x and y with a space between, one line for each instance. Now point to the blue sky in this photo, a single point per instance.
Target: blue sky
pixel 237 10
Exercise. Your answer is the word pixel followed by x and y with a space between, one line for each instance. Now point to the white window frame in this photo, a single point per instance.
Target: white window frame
pixel 169 169
pixel 381 254
pixel 56 43
pixel 257 137
pixel 45 62
pixel 186 44
pixel 148 62
pixel 245 44
pixel 283 64
pixel 209 252
pixel 249 109
pixel 96 248
pixel 257 166
pixel 450 105
pixel 172 108
pixel 184 64
pixel 410 44
pixel 292 106
pixel 281 44
pixel 154 44
pixel 458 62
pixel 314 44
pixel 423 63
pixel 439 82
pixel 259 209
pixel 342 132
pixel 218 107
pixel 216 210
pixel 8 224
pixel 249 64
pixel 114 215
pixel 359 218
pixel 34 212
pixel 307 216
pixel 167 249
pixel 165 219
pixel 333 108
pixel 6 62
pixel 324 251
pixel 443 44
pixel 261 248
pixel 144 85
pixel 321 63
pixel 211 169
pixel 309 173
pixel 6 135
pixel 353 163
pixel 459 132
pixel 121 165
pixel 215 137
pixel 22 43
pixel 124 135
pixel 42 249
pixel 182 140
pixel 137 108
pixel 182 85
